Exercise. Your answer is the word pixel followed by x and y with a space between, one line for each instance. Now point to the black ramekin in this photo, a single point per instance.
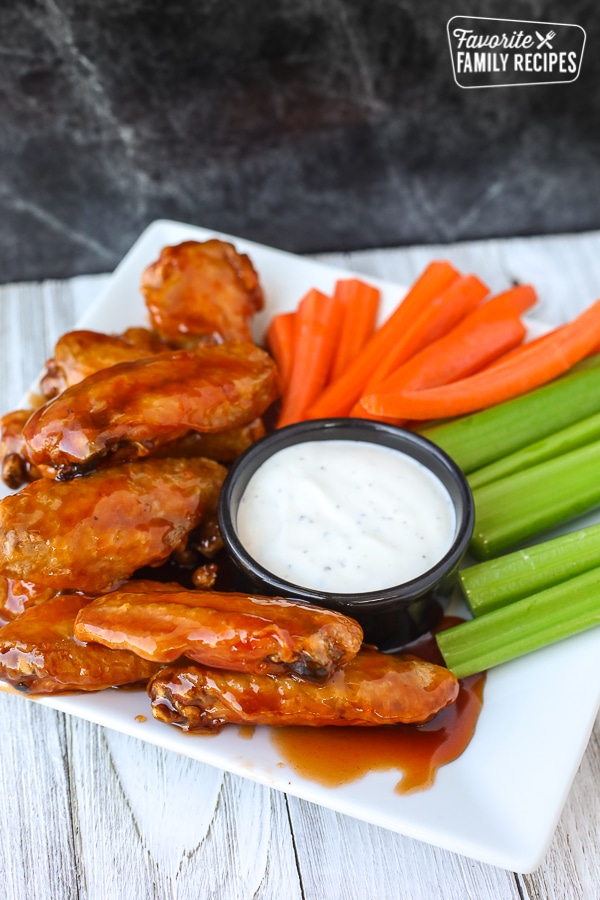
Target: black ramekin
pixel 391 617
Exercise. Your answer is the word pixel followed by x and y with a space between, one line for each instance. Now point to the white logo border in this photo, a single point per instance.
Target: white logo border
pixel 476 87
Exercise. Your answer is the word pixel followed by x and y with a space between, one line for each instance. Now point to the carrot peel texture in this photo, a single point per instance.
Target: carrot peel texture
pixel 360 303
pixel 437 317
pixel 341 395
pixel 530 368
pixel 280 344
pixel 316 328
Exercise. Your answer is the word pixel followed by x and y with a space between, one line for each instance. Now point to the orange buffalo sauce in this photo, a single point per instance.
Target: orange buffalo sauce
pixel 333 756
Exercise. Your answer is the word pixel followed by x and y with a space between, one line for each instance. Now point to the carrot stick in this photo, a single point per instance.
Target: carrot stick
pixel 361 304
pixel 546 338
pixel 534 365
pixel 339 397
pixel 280 344
pixel 517 299
pixel 520 298
pixel 316 329
pixel 484 335
pixel 436 320
pixel 459 354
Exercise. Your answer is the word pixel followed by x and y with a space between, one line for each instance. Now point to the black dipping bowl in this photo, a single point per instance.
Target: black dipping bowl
pixel 391 617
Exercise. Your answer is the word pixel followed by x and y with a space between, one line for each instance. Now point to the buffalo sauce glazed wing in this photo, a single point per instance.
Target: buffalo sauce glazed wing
pixel 16 468
pixel 134 406
pixel 372 689
pixel 234 631
pixel 40 655
pixel 16 596
pixel 78 354
pixel 92 533
pixel 224 446
pixel 199 290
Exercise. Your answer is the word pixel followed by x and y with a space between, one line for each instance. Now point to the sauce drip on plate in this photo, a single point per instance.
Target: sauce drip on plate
pixel 336 756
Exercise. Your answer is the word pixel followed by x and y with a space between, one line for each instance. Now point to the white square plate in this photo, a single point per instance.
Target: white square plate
pixel 500 801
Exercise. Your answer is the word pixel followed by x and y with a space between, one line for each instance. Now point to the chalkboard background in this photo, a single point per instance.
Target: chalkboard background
pixel 311 125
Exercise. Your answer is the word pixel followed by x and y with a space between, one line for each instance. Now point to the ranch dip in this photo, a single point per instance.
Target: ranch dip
pixel 345 516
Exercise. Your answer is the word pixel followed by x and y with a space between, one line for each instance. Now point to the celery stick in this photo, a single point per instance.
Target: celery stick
pixel 522 505
pixel 478 439
pixel 497 582
pixel 563 441
pixel 519 628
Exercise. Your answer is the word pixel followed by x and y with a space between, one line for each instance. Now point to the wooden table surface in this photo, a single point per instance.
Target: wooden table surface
pixel 90 813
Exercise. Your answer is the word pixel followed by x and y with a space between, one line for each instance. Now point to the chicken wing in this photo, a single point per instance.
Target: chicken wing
pixel 92 533
pixel 204 577
pixel 197 290
pixel 40 655
pixel 81 353
pixel 224 446
pixel 135 406
pixel 16 596
pixel 16 467
pixel 373 689
pixel 242 632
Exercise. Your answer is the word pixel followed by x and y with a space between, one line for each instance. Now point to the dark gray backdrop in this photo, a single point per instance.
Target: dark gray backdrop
pixel 307 124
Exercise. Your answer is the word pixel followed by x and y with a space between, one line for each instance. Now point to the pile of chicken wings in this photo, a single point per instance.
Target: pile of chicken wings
pixel 116 474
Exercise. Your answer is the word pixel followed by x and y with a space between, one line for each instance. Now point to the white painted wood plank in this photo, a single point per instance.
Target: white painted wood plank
pixel 150 823
pixel 32 318
pixel 350 860
pixel 565 269
pixel 36 850
pixel 571 870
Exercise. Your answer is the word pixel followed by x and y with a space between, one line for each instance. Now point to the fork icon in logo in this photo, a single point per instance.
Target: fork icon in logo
pixel 545 41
